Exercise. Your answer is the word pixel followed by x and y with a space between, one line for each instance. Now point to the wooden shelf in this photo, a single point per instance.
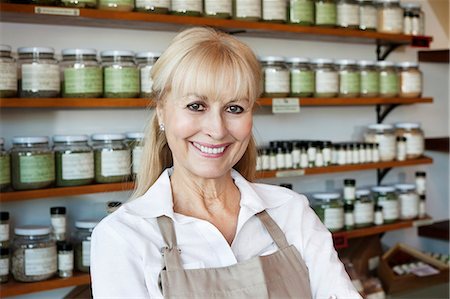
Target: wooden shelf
pixel 438 230
pixel 145 103
pixel 15 288
pixel 146 21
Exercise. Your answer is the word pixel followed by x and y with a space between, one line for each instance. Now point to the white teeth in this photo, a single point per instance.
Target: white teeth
pixel 209 150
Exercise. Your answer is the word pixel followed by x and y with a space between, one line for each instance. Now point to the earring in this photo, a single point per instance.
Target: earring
pixel 161 127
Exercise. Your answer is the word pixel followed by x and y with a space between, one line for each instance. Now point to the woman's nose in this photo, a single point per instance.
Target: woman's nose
pixel 215 126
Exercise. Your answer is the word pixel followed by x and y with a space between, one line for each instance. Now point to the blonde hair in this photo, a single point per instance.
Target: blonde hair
pixel 199 59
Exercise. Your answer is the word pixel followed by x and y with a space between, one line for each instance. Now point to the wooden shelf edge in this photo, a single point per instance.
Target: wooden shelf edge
pixel 435 56
pixel 441 144
pixel 438 230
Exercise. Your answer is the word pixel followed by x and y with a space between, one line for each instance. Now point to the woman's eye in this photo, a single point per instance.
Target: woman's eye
pixel 235 109
pixel 196 107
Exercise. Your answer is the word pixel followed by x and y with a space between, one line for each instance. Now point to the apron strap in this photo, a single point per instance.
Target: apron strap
pixel 170 252
pixel 274 230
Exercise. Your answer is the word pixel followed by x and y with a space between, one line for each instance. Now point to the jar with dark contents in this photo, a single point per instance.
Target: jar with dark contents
pixel 301 12
pixel 32 163
pixel 4 264
pixel 247 10
pixel 79 3
pixel 120 74
pixel 187 7
pixel 82 240
pixel 8 73
pixel 330 209
pixel 5 167
pixel 145 62
pixel 39 75
pixel 65 259
pixel 222 9
pixel 274 11
pixel 153 6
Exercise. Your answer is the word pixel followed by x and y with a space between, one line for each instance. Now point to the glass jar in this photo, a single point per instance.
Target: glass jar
pixel 4 264
pixel 79 3
pixel 369 78
pixel 383 134
pixel 347 14
pixel 388 79
pixel 5 167
pixel 327 147
pixel 421 182
pixel 349 216
pixel 386 197
pixel 415 139
pixel 349 190
pixel 390 16
pixel 153 6
pixel 222 9
pixel 301 76
pixel 409 201
pixel 367 15
pixel 248 10
pixel 82 242
pixel 325 13
pixel 187 7
pixel 413 19
pixel 38 73
pixel 274 11
pixel 301 12
pixel 32 163
pixel 326 78
pixel 330 209
pixel 4 229
pixel 364 208
pixel 145 62
pixel 117 5
pixel 74 160
pixel 410 80
pixel 33 254
pixel 81 73
pixel 112 158
pixel 8 73
pixel 120 73
pixel 58 220
pixel 65 259
pixel 135 142
pixel 349 78
pixel 276 76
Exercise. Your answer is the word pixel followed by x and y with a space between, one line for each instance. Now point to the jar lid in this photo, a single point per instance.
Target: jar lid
pixel 367 63
pixel 4 216
pixel 349 181
pixel 108 137
pixel 112 53
pixel 362 192
pixel 79 52
pixel 383 189
pixel 297 60
pixel 407 64
pixel 43 50
pixel 326 196
pixel 410 5
pixel 385 63
pixel 148 54
pixel 63 246
pixel 32 230
pixel 24 140
pixel 405 187
pixel 58 210
pixel 408 125
pixel 135 135
pixel 322 61
pixel 381 127
pixel 421 173
pixel 345 61
pixel 4 251
pixel 271 58
pixel 5 48
pixel 86 223
pixel 70 138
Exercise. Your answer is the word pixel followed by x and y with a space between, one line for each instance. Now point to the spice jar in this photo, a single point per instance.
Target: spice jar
pixel 422 206
pixel 349 190
pixel 364 208
pixel 401 148
pixel 388 79
pixel 349 78
pixel 145 62
pixel 120 73
pixel 415 139
pixel 218 8
pixel 33 254
pixel 421 181
pixel 330 209
pixel 74 160
pixel 135 142
pixel 326 78
pixel 32 163
pixel 369 78
pixel 390 16
pixel 4 229
pixel 79 4
pixel 82 239
pixel 5 167
pixel 276 76
pixel 347 14
pixel 248 10
pixel 413 19
pixel 187 7
pixel 65 259
pixel 58 219
pixel 8 73
pixel 378 217
pixel 112 158
pixel 325 13
pixel 382 134
pixel 4 264
pixel 274 11
pixel 117 5
pixel 410 80
pixel 301 12
pixel 367 15
pixel 386 197
pixel 301 76
pixel 409 201
pixel 153 6
pixel 349 216
pixel 82 74
pixel 327 146
pixel 38 73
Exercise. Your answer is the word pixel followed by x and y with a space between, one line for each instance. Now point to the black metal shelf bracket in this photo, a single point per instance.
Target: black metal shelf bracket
pixel 382 113
pixel 383 51
pixel 381 173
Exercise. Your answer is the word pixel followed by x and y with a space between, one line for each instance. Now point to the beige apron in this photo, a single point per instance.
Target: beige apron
pixel 282 274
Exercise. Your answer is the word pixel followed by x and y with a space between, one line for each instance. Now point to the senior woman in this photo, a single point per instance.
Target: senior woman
pixel 197 227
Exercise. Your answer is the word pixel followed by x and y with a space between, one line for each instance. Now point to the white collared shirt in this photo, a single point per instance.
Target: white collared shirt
pixel 126 246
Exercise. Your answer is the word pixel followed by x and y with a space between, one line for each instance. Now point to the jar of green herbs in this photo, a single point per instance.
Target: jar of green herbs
pixel 135 141
pixel 301 77
pixel 153 6
pixel 222 9
pixel 247 10
pixel 386 197
pixel 325 13
pixel 5 166
pixel 369 77
pixel 330 209
pixel 8 73
pixel 301 12
pixel 120 73
pixel 389 79
pixel 349 78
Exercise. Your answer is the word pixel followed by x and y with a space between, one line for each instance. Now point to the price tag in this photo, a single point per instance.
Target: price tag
pixel 290 173
pixel 74 12
pixel 286 105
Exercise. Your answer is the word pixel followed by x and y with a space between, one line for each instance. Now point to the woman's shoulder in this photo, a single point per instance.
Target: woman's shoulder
pixel 275 196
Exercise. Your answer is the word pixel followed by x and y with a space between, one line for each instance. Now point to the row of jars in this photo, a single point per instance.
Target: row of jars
pixel 374 206
pixel 326 78
pixel 387 16
pixel 37 73
pixel 33 164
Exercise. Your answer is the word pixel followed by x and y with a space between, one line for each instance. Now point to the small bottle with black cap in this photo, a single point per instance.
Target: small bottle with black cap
pixel 58 220
pixel 4 229
pixel 422 206
pixel 4 264
pixel 379 218
pixel 65 259
pixel 349 216
pixel 349 190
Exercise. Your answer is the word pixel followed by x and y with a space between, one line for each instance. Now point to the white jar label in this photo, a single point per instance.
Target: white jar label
pixel 276 81
pixel 137 154
pixel 349 193
pixel 280 161
pixel 319 160
pixel 288 160
pixel 273 162
pixel 274 10
pixel 152 3
pixel 258 163
pixel 248 8
pixel 58 224
pixel 363 212
pixel 296 157
pixel 349 219
pixel 4 266
pixel 4 232
pixel 391 19
pixel 303 160
pixel 334 218
pixel 409 205
pixel 37 168
pixel 420 185
pixel 326 155
pixel 65 261
pixel 37 77
pixel 415 145
pixel 368 17
pixel 347 14
pixel 146 80
pixel 86 253
pixel 40 261
pixel 187 5
pixel 115 162
pixel 411 82
pixel 311 154
pixel 416 27
pixel 387 146
pixel 390 209
pixel 8 76
pixel 265 162
pixel 77 166
pixel 327 82
pixel 407 25
pixel 5 169
pixel 218 6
